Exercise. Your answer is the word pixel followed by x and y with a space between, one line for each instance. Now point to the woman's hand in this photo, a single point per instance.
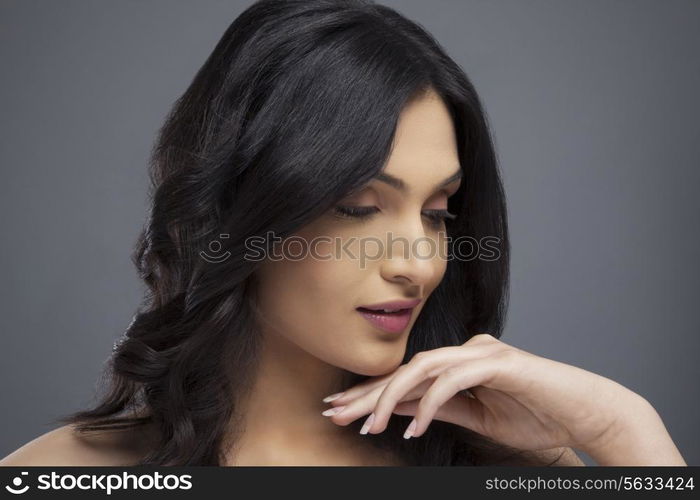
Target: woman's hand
pixel 519 399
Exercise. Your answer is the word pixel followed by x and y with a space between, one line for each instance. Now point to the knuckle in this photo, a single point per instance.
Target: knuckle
pixel 421 363
pixel 450 375
pixel 507 355
pixel 418 356
pixel 483 337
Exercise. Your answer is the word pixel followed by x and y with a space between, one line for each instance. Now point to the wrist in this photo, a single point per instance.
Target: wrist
pixel 637 436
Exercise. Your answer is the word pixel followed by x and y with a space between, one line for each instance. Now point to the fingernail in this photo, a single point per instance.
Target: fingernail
pixel 333 411
pixel 367 424
pixel 410 429
pixel 332 397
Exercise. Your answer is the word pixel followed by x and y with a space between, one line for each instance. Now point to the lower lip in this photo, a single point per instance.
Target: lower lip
pixel 393 323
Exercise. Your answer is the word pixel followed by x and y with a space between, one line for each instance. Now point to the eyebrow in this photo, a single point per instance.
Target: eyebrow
pixel 397 183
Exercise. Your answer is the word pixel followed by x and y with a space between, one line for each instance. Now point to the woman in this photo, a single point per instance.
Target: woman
pixel 283 326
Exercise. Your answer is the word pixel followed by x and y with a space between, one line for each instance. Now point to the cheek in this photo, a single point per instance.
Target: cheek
pixel 440 262
pixel 311 304
pixel 308 302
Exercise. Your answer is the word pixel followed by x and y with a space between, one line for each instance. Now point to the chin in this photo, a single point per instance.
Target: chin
pixel 378 367
pixel 375 372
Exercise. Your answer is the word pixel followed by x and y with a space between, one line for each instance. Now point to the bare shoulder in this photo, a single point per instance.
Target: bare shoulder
pixel 565 457
pixel 67 446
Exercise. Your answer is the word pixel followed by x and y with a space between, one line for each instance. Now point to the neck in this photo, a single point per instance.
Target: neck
pixel 282 421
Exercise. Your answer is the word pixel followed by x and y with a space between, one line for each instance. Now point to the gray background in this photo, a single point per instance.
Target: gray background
pixel 594 108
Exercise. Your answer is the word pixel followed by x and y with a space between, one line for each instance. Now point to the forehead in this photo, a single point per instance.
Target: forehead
pixel 424 140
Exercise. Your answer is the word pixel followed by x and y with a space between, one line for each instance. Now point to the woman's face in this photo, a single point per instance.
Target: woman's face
pixel 311 300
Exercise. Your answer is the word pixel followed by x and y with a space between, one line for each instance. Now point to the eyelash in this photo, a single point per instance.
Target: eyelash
pixel 436 217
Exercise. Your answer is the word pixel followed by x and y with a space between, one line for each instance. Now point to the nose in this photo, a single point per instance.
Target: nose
pixel 411 257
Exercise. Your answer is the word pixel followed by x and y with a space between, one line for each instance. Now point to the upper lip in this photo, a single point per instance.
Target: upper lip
pixel 394 304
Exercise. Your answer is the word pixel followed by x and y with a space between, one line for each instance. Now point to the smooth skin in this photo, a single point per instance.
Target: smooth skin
pixel 516 398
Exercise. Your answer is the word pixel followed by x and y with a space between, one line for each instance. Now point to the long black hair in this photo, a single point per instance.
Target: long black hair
pixel 296 107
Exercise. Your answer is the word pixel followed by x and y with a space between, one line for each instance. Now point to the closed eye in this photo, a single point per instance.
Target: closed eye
pixel 436 217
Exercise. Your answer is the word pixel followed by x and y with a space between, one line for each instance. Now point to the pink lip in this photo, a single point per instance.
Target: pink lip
pixel 390 322
pixel 394 304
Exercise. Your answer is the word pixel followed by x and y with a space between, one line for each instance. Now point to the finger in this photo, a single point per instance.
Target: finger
pixel 365 387
pixel 425 365
pixel 450 382
pixel 359 390
pixel 463 411
pixel 371 384
pixel 364 405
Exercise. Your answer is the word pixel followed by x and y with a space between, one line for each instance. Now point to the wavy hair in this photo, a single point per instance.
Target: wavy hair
pixel 296 106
